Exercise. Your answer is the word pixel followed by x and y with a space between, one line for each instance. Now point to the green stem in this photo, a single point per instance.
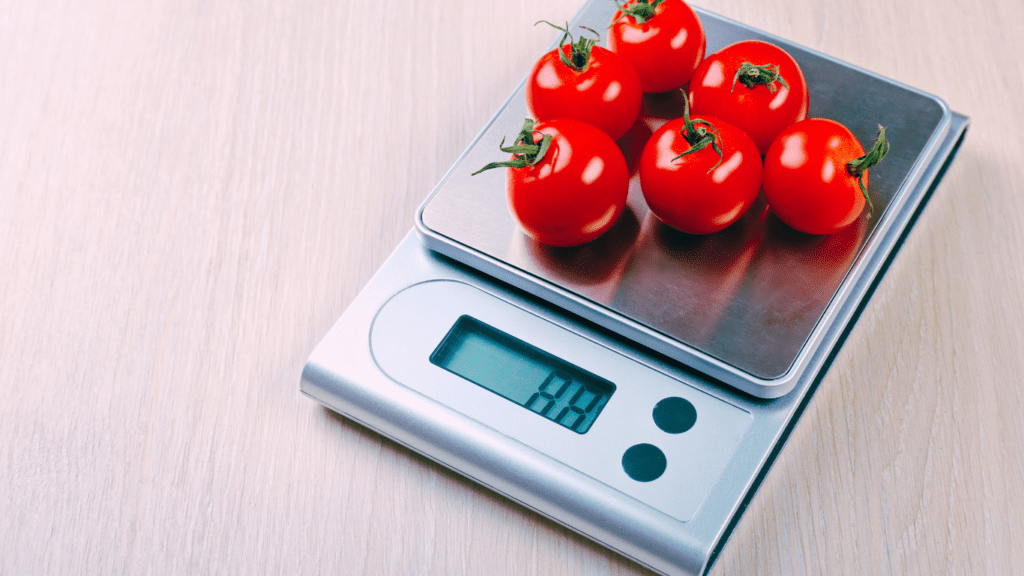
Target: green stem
pixel 641 11
pixel 751 75
pixel 526 151
pixel 696 133
pixel 579 53
pixel 858 167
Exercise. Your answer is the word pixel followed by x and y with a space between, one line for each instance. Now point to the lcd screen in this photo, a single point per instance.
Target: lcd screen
pixel 523 373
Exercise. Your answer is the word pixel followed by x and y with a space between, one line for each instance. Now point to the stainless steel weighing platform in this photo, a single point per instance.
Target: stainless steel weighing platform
pixel 688 359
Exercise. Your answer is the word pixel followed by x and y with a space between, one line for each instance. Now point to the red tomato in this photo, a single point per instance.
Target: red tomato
pixel 702 191
pixel 753 85
pixel 663 40
pixel 570 192
pixel 811 177
pixel 596 86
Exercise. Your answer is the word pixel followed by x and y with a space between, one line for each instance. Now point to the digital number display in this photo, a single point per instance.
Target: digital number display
pixel 524 374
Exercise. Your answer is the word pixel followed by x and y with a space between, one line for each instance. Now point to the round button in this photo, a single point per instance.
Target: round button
pixel 644 462
pixel 675 415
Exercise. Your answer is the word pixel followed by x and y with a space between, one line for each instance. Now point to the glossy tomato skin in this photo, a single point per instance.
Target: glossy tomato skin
pixel 578 189
pixel 806 181
pixel 758 111
pixel 665 50
pixel 605 94
pixel 686 193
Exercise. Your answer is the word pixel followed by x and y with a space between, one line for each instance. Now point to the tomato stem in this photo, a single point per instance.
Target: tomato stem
pixel 697 135
pixel 526 151
pixel 579 53
pixel 751 75
pixel 641 11
pixel 858 167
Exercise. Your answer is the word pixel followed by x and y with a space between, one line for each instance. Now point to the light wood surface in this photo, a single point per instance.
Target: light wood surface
pixel 192 192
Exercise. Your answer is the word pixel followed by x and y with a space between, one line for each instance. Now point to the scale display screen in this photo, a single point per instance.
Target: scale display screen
pixel 532 378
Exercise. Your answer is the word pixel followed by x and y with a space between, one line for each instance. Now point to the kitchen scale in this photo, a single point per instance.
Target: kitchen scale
pixel 637 388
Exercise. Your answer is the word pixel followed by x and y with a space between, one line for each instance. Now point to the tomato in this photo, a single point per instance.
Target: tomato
pixel 700 176
pixel 663 40
pixel 585 82
pixel 566 181
pixel 815 175
pixel 753 85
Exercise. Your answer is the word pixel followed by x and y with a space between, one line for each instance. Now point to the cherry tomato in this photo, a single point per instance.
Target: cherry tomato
pixel 815 175
pixel 753 85
pixel 566 181
pixel 663 40
pixel 585 82
pixel 692 187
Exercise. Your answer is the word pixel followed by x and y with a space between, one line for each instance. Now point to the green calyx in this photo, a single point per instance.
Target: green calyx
pixel 579 53
pixel 641 11
pixel 751 75
pixel 859 166
pixel 525 152
pixel 696 133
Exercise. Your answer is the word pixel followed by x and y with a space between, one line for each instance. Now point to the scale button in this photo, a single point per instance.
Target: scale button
pixel 675 415
pixel 644 462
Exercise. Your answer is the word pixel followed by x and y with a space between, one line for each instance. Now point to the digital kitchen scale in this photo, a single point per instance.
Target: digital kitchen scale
pixel 634 389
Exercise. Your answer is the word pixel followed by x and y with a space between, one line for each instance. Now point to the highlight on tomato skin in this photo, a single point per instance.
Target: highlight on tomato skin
pixel 604 93
pixel 807 175
pixel 755 86
pixel 663 40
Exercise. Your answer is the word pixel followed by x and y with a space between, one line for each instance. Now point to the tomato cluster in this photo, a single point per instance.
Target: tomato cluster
pixel 567 179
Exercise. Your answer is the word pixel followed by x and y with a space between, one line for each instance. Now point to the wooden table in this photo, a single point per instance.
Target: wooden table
pixel 192 192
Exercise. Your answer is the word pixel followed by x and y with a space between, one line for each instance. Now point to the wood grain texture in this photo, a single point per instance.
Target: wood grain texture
pixel 192 192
